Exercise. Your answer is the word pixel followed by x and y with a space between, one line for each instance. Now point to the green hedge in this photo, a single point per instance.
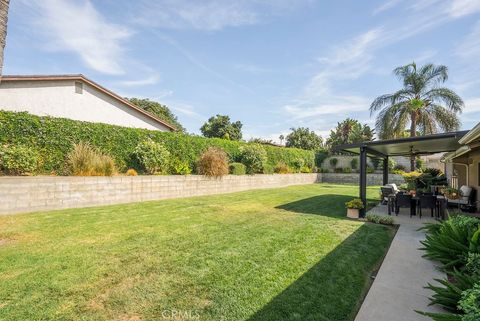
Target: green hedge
pixel 53 138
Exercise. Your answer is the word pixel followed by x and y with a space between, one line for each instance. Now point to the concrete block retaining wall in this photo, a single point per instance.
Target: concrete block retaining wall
pixel 39 193
pixel 372 179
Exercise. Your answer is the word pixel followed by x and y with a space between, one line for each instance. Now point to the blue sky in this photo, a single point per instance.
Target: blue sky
pixel 272 64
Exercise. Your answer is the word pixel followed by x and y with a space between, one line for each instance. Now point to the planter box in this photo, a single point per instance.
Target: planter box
pixel 353 213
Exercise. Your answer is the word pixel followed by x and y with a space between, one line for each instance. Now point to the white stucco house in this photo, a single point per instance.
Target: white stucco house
pixel 74 97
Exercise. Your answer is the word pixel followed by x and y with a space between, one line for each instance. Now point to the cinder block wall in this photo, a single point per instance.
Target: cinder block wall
pixel 37 193
pixel 372 179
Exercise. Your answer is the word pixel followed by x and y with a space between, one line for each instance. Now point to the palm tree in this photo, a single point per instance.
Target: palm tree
pixel 3 30
pixel 422 103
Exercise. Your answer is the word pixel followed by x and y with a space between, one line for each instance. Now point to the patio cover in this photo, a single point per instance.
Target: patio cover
pixel 421 145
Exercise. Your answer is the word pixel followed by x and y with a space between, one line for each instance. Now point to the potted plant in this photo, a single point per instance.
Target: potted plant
pixel 353 207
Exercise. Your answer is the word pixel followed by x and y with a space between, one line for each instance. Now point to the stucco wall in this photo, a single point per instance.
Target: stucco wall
pixel 57 98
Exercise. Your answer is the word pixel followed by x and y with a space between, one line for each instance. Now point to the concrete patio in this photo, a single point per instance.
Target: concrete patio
pixel 398 289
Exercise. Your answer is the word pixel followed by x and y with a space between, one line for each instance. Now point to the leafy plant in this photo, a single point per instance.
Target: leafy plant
pixel 347 170
pixel 153 157
pixel 213 162
pixel 181 167
pixel 380 219
pixel 470 303
pixel 237 169
pixel 305 169
pixel 53 139
pixel 220 126
pixel 333 162
pixel 449 242
pixel 253 157
pixel 131 172
pixel 356 203
pixel 85 160
pixel 282 168
pixel 354 163
pixel 298 164
pixel 18 159
pixel 268 169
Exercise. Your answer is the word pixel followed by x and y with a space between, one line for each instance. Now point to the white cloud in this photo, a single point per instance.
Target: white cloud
pixel 77 27
pixel 211 14
pixel 386 6
pixel 460 8
pixel 150 80
pixel 472 105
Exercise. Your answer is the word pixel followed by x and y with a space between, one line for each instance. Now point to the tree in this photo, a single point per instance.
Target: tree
pixel 4 4
pixel 349 131
pixel 282 138
pixel 422 103
pixel 304 138
pixel 159 110
pixel 220 126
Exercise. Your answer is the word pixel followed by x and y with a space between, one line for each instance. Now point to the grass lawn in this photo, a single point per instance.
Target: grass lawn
pixel 276 254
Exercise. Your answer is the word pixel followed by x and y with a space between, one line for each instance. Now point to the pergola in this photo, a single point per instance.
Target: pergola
pixel 411 146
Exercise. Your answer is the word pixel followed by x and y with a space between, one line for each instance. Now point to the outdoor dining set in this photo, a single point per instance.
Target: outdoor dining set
pixel 434 200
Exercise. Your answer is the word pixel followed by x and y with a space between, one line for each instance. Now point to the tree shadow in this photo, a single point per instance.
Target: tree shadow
pixel 331 205
pixel 333 289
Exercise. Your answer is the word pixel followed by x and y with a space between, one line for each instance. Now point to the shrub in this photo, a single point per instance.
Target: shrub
pixel 375 163
pixel 354 163
pixel 419 164
pixel 356 203
pixel 85 160
pixel 470 303
pixel 298 164
pixel 380 219
pixel 253 157
pixel 320 157
pixel 268 169
pixel 370 169
pixel 18 160
pixel 131 172
pixel 305 169
pixel 237 169
pixel 347 170
pixel 213 162
pixel 282 168
pixel 432 171
pixel 450 242
pixel 338 170
pixel 399 167
pixel 53 138
pixel 333 162
pixel 153 157
pixel 180 167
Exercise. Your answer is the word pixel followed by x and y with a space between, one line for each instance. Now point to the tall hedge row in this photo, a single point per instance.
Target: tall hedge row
pixel 53 138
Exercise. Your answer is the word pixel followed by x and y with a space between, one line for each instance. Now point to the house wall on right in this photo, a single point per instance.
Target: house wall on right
pixel 467 170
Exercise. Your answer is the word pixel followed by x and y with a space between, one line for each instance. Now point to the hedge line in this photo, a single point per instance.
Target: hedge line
pixel 53 138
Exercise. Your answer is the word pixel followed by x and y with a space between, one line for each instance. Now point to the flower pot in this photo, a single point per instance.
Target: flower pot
pixel 353 212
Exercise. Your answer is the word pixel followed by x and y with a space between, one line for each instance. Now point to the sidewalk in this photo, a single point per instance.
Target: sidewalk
pixel 398 289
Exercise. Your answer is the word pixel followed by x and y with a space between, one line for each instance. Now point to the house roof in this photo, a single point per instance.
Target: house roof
pixel 420 145
pixel 80 77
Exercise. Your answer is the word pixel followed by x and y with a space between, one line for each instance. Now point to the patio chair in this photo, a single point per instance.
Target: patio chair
pixel 427 201
pixel 404 201
pixel 386 192
pixel 466 200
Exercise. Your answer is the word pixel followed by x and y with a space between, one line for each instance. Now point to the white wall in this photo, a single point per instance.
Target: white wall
pixel 57 98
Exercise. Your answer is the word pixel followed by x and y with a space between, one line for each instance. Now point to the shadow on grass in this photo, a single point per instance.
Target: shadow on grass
pixel 333 289
pixel 332 205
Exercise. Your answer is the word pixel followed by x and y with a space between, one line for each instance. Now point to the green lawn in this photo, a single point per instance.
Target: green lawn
pixel 276 254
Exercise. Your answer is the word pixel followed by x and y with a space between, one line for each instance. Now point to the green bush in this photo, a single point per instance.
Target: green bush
pixel 298 164
pixel 268 169
pixel 85 160
pixel 53 138
pixel 347 170
pixel 305 169
pixel 153 157
pixel 470 303
pixel 254 157
pixel 380 219
pixel 282 168
pixel 354 163
pixel 333 162
pixel 180 167
pixel 450 241
pixel 237 169
pixel 356 203
pixel 18 159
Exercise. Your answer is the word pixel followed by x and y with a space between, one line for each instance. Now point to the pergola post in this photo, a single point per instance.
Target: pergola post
pixel 385 170
pixel 363 179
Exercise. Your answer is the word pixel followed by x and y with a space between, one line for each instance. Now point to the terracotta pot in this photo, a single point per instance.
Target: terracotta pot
pixel 353 213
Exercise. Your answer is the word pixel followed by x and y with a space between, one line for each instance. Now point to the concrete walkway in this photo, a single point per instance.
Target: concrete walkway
pixel 398 289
